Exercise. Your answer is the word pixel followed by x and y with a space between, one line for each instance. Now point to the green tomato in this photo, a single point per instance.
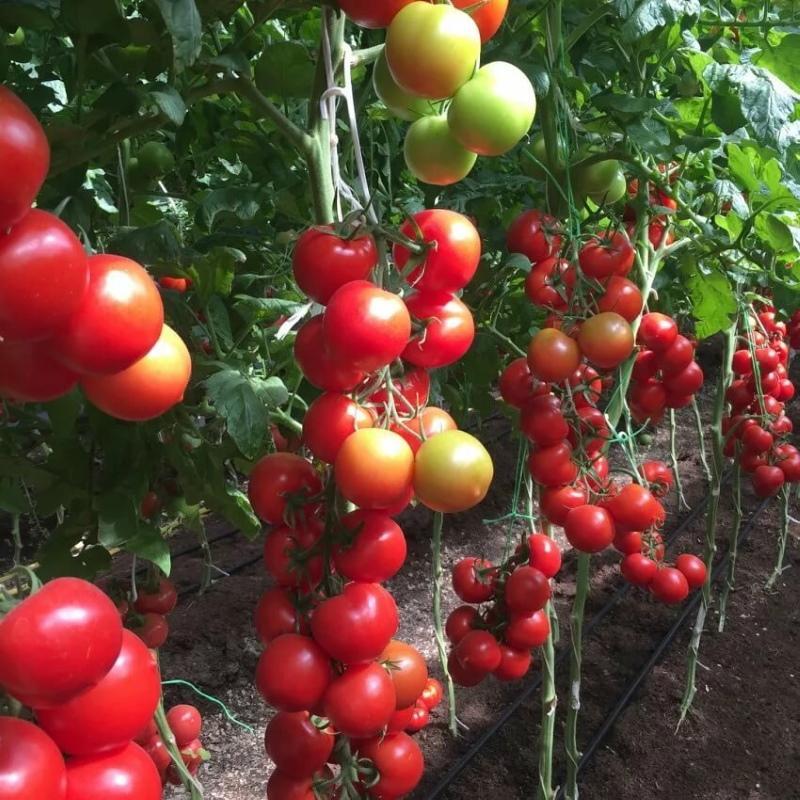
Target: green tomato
pixel 615 192
pixel 432 50
pixel 137 179
pixel 433 155
pixel 155 159
pixel 401 103
pixel 493 111
pixel 595 178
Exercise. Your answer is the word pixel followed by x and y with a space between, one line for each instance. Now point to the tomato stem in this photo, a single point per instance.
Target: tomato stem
pixel 782 539
pixel 733 546
pixel 165 732
pixel 701 438
pixel 673 456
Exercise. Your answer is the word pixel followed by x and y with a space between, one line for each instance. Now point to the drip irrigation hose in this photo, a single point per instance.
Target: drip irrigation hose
pixel 195 587
pixel 626 697
pixel 194 548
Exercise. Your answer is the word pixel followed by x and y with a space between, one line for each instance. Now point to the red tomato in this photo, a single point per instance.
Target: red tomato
pixel 43 275
pixel 553 356
pixel 357 624
pixel 634 508
pixel 122 308
pixel 767 480
pixel 186 723
pixel 408 671
pixel 742 362
pixel 473 579
pixel 478 651
pixel 288 555
pixel 126 774
pixel 31 765
pixel 448 333
pixel 412 389
pixel 324 261
pixel 280 483
pixel 399 762
pixel 462 676
pixel 609 253
pixel 276 614
pixel 693 569
pixel 756 439
pixel 526 631
pixel 514 664
pixel 646 365
pixel 677 357
pixel 293 673
pixel 366 327
pixel 452 255
pixel 152 629
pixel 150 505
pixel 150 387
pixel 427 423
pixel 29 373
pixel 527 590
pixel 623 297
pixel 330 419
pixel 556 503
pixel 545 554
pixel 296 745
pixel 535 235
pixel 460 622
pixel 376 550
pixel 543 289
pixel 161 600
pixel 517 383
pixel 669 586
pixel 553 466
pixel 401 720
pixel 24 158
pixel 114 710
pixel 606 339
pixel 372 13
pixel 639 570
pixel 432 694
pixel 649 396
pixel 488 17
pixel 281 786
pixel 420 717
pixel 360 702
pixel 657 332
pixel 659 476
pixel 374 468
pixel 179 285
pixel 542 422
pixel 74 629
pixel 319 367
pixel 589 528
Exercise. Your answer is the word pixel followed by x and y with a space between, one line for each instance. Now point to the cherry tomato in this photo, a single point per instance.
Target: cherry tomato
pixel 319 367
pixel 174 284
pixel 114 710
pixel 420 717
pixel 639 570
pixel 408 671
pixel 478 651
pixel 608 253
pixel 756 439
pixel 557 502
pixel 517 383
pixel 162 600
pixel 473 579
pixel 448 333
pixel 488 17
pixel 376 551
pixel 589 528
pixel 659 476
pixel 186 723
pixel 31 765
pixel 432 694
pixel 288 557
pixel 767 480
pixel 121 308
pixel 526 631
pixel 693 569
pixel 545 554
pixel 432 153
pixel 400 720
pixel 330 419
pixel 399 762
pixel 657 332
pixel 535 235
pixel 623 297
pixel 677 356
pixel 553 356
pixel 527 590
pixel 276 614
pixel 372 686
pixel 514 664
pixel 669 586
pixel 152 629
pixel 126 774
pixel 742 362
pixel 460 622
pixel 542 422
pixel 296 745
pixel 687 381
pixel 606 339
pixel 429 422
pixel 279 482
pixel 553 466
pixel 29 373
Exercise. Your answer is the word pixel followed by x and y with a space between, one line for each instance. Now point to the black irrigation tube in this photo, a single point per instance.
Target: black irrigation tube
pixel 194 548
pixel 509 711
pixel 196 587
pixel 633 687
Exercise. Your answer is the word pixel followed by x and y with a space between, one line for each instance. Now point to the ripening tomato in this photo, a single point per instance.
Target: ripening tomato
pixel 452 472
pixel 432 49
pixel 491 113
pixel 473 579
pixel 330 419
pixel 357 624
pixel 638 569
pixel 360 701
pixel 43 276
pixel 121 308
pixel 448 333
pixel 293 673
pixel 30 374
pixel 553 466
pixel 398 761
pixel 488 17
pixel 160 599
pixel 76 632
pixel 186 723
pixel 693 569
pixel 553 356
pixel 657 332
pixel 767 480
pixel 514 664
pixel 126 774
pixel 622 296
pixel 606 254
pixel 324 261
pixel 281 482
pixel 589 528
pixel 478 651
pixel 149 388
pixel 288 555
pixel 319 367
pixel 376 550
pixel 24 158
pixel 557 502
pixel 669 586
pixel 535 235
pixel 374 468
pixel 429 422
pixel 365 326
pixel 452 251
pixel 526 631
pixel 410 390
pixel 433 154
pixel 296 745
pixel 460 621
pixel 276 614
pixel 606 339
pixel 398 101
pixel 31 765
pixel 152 629
pixel 527 590
pixel 372 13
pixel 111 712
pixel 407 669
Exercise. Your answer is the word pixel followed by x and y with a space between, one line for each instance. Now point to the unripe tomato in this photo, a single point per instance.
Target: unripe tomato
pixel 433 154
pixel 606 339
pixel 553 356
pixel 398 761
pixel 669 586
pixel 473 579
pixel 407 669
pixel 401 103
pixel 488 17
pixel 429 422
pixel 31 766
pixel 278 480
pixel 589 528
pixel 448 334
pixel 535 235
pixel 320 367
pixel 330 419
pixel 296 745
pixel 30 374
pixel 126 774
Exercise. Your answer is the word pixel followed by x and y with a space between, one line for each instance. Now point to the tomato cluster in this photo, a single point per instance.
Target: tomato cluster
pixel 756 427
pixel 497 639
pixel 92 686
pixel 147 617
pixel 65 317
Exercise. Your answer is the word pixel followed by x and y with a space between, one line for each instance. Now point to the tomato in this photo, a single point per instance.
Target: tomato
pixel 320 367
pixel 767 481
pixel 276 614
pixel 693 569
pixel 542 422
pixel 150 506
pixel 74 629
pixel 408 671
pixel 420 717
pixel 541 285
pixel 452 254
pixel 126 774
pixel 429 422
pixel 553 356
pixel 545 554
pixel 473 579
pixel 376 550
pixel 659 476
pixel 756 439
pixel 526 631
pixel 677 356
pixel 527 590
pixel 372 13
pixel 121 308
pixel 657 332
pixel 557 502
pixel 460 622
pixel 399 762
pixel 634 507
pixel 399 102
pixel 162 600
pixel 186 723
pixel 279 482
pixel 514 663
pixel 553 466
pixel 606 254
pixel 461 675
pixel 150 387
pixel 535 235
pixel 29 373
pixel 488 17
pixel 374 468
pixel 516 383
pixel 293 673
pixel 606 339
pixel 478 651
pixel 152 629
pixel 281 786
pixel 669 586
pixel 401 720
pixel 589 528
pixel 180 285
pixel 366 327
pixel 357 624
pixel 687 381
pixel 288 555
pixel 323 261
pixel 448 333
pixel 296 745
pixel 433 154
pixel 742 362
pixel 432 694
pixel 432 50
pixel 411 390
pixel 491 113
pixel 24 158
pixel 452 472
pixel 43 276
pixel 360 702
pixel 330 419
pixel 112 711
pixel 623 297
pixel 638 569
pixel 31 765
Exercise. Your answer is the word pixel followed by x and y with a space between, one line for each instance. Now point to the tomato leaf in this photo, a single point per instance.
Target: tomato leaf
pixel 169 102
pixel 713 302
pixel 149 543
pixel 238 402
pixel 783 61
pixel 185 27
pixel 651 14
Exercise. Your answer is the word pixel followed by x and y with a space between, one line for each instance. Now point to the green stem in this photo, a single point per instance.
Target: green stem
pixel 733 546
pixel 782 539
pixel 673 455
pixel 701 438
pixel 165 732
pixel 438 625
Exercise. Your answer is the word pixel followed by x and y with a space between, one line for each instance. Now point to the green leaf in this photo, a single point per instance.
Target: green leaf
pixel 149 543
pixel 64 413
pixel 241 201
pixel 652 14
pixel 169 102
pixel 285 69
pixel 32 14
pixel 185 27
pixel 214 272
pixel 783 61
pixel 625 103
pixel 742 165
pixel 266 309
pixel 117 519
pixel 12 497
pixel 153 244
pixel 775 233
pixel 713 302
pixel 271 391
pixel 236 399
pixel 219 321
pixel 101 191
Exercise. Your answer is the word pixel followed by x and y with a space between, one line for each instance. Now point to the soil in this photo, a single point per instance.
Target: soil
pixel 738 742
